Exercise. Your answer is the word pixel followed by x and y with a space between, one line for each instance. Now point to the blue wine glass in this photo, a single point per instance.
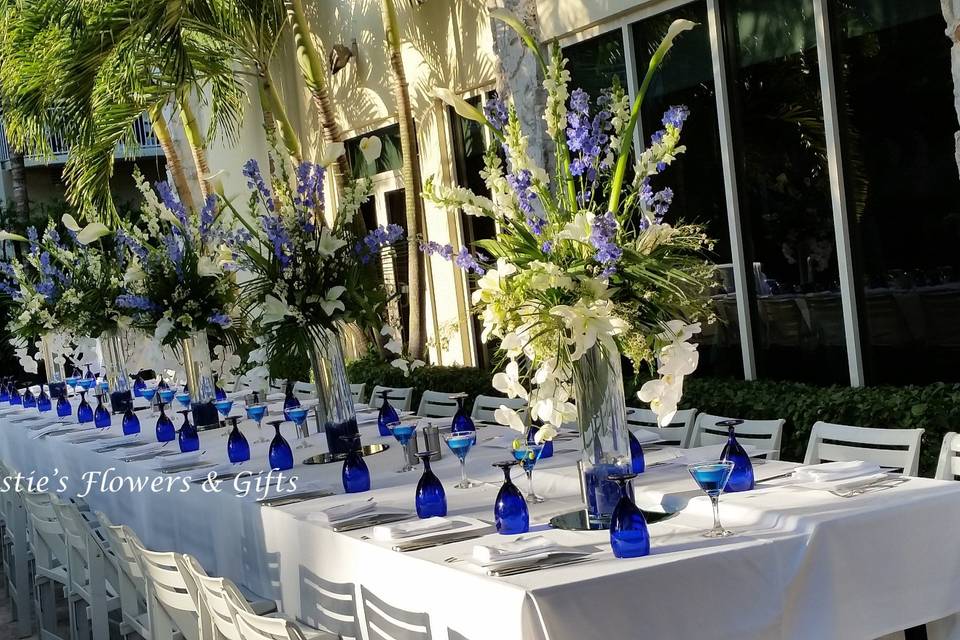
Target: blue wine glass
pixel 4 391
pixel 280 454
pixel 15 398
pixel 84 410
pixel 403 431
pixel 63 407
pixel 510 509
pixel 101 416
pixel 131 423
pixel 388 415
pixel 460 444
pixel 256 412
pixel 741 478
pixel 166 395
pixel 86 383
pixel 166 432
pixel 73 382
pixel 187 437
pixel 528 455
pixel 163 386
pixel 43 401
pixel 184 399
pixel 89 375
pixel 103 386
pixel 355 475
pixel 138 386
pixel 629 537
pixel 431 500
pixel 29 400
pixel 298 415
pixel 712 477
pixel 238 449
pixel 223 407
pixel 462 422
pixel 637 463
pixel 290 401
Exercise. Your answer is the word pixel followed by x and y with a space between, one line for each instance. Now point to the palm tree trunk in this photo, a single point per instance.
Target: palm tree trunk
pixel 18 176
pixel 198 147
pixel 315 76
pixel 278 114
pixel 162 132
pixel 410 177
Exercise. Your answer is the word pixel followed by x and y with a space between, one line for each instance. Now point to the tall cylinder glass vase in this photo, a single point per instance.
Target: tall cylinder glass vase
pixel 197 367
pixel 114 363
pixel 601 412
pixel 53 369
pixel 336 416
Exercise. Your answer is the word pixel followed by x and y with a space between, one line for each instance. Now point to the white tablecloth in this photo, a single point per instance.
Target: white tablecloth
pixel 804 564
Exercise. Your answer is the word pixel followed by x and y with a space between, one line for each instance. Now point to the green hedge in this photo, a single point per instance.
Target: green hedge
pixel 935 407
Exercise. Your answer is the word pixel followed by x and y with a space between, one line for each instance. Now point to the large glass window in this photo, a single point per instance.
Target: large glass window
pixel 895 97
pixel 595 64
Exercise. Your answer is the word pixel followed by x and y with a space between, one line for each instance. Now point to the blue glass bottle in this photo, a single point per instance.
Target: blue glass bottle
pixel 355 475
pixel 510 509
pixel 461 419
pixel 187 437
pixel 43 401
pixel 29 400
pixel 547 446
pixel 629 537
pixel 636 454
pixel 280 454
pixel 290 401
pixel 84 410
pixel 131 423
pixel 63 406
pixel 165 429
pixel 15 398
pixel 238 449
pixel 138 386
pixel 388 415
pixel 431 500
pixel 101 416
pixel 741 478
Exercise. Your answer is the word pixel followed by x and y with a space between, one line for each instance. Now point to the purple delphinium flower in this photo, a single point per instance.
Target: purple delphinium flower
pixel 496 112
pixel 522 182
pixel 174 252
pixel 47 289
pixel 603 238
pixel 279 238
pixel 251 171
pixel 207 214
pixel 468 262
pixel 126 240
pixel 376 239
pixel 547 246
pixel 220 318
pixel 462 259
pixel 10 290
pixel 675 116
pixel 658 202
pixel 129 301
pixel 430 248
pixel 309 187
pixel 171 202
pixel 586 136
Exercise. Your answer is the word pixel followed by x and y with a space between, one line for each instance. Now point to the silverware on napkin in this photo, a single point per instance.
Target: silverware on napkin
pixel 428 542
pixel 280 501
pixel 553 560
pixel 369 521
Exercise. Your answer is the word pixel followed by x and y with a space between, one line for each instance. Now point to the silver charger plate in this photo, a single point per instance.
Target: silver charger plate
pixel 578 520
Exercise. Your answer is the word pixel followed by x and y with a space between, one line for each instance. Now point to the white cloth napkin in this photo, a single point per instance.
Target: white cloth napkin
pixel 832 471
pixel 341 512
pixel 523 549
pixel 127 452
pixel 51 428
pixel 403 530
pixel 164 462
pixel 645 436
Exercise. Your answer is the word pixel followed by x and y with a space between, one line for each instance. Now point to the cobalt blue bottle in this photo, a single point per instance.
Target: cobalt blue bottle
pixel 388 415
pixel 355 475
pixel 510 509
pixel 280 454
pixel 431 500
pixel 238 449
pixel 101 417
pixel 84 411
pixel 63 406
pixel 165 429
pixel 636 454
pixel 188 438
pixel 131 423
pixel 629 536
pixel 43 401
pixel 741 478
pixel 29 400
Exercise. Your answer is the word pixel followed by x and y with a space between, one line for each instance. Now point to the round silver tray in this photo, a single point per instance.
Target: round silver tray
pixel 330 458
pixel 578 520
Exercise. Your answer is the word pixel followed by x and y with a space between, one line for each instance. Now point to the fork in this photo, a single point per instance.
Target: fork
pixel 876 485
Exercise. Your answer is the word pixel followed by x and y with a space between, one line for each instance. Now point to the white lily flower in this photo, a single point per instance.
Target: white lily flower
pixel 394 346
pixel 332 303
pixel 331 152
pixel 91 232
pixel 508 381
pixel 371 147
pixel 402 364
pixel 509 418
pixel 6 235
pixel 579 229
pixel 274 310
pixel 463 108
pixel 329 244
pixel 676 28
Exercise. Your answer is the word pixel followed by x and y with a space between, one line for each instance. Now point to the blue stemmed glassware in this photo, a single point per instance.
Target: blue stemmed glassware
pixel 138 386
pixel 298 415
pixel 187 437
pixel 629 536
pixel 547 446
pixel 101 415
pixel 84 410
pixel 461 419
pixel 238 449
pixel 280 454
pixel 510 509
pixel 223 407
pixel 355 475
pixel 131 423
pixel 29 400
pixel 712 477
pixel 218 393
pixel 166 432
pixel 15 398
pixel 89 375
pixel 184 399
pixel 166 394
pixel 87 383
pixel 460 444
pixel 43 401
pixel 431 500
pixel 148 394
pixel 741 478
pixel 4 391
pixel 528 455
pixel 63 406
pixel 403 431
pixel 290 401
pixel 256 412
pixel 163 386
pixel 387 416
pixel 636 454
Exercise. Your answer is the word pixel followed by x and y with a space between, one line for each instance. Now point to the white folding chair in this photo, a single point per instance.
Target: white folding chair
pixel 948 465
pixel 331 606
pixel 171 594
pixel 255 627
pixel 49 546
pixel 400 399
pixel 357 391
pixel 762 434
pixel 387 622
pixel 17 558
pixel 484 407
pixel 304 390
pixel 677 433
pixel 437 404
pixel 130 583
pixel 889 448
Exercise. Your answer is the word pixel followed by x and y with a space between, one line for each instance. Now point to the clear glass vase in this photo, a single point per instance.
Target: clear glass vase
pixel 601 414
pixel 114 364
pixel 197 366
pixel 54 371
pixel 335 413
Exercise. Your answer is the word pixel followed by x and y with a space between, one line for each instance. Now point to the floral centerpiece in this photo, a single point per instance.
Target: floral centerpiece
pixel 586 265
pixel 310 275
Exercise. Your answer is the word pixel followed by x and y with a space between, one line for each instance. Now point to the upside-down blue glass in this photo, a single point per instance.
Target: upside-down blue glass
pixel 84 410
pixel 636 454
pixel 460 444
pixel 547 446
pixel 280 454
pixel 165 429
pixel 238 449
pixel 63 406
pixel 29 400
pixel 430 499
pixel 15 398
pixel 403 431
pixel 43 401
pixel 101 415
pixel 387 416
pixel 712 477
pixel 89 375
pixel 187 437
pixel 462 421
pixel 4 391
pixel 510 509
pixel 528 455
pixel 163 386
pixel 629 536
pixel 138 386
pixel 355 475
pixel 741 478
pixel 290 401
pixel 131 423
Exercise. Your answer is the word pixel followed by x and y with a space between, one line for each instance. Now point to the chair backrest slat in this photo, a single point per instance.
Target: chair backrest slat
pixel 762 434
pixel 254 627
pixel 357 390
pixel 400 399
pixel 329 605
pixel 436 404
pixel 948 465
pixel 484 407
pixel 391 623
pixel 677 433
pixel 890 448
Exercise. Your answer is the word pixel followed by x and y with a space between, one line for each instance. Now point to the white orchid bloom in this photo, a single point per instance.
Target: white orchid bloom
pixel 371 147
pixel 678 359
pixel 508 381
pixel 401 363
pixel 28 363
pixel 512 344
pixel 509 418
pixel 394 346
pixel 332 303
pixel 463 108
pixel 579 229
pixel 329 244
pixel 589 324
pixel 545 433
pixel 664 397
pixel 679 331
pixel 331 152
pixel 274 310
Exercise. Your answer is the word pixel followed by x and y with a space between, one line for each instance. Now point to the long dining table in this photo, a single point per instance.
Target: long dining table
pixel 802 563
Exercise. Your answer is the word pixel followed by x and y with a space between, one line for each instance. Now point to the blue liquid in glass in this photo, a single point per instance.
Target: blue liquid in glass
pixel 84 410
pixel 547 446
pixel 741 478
pixel 711 478
pixel 461 445
pixel 636 453
pixel 166 395
pixel 148 394
pixel 528 456
pixel 355 475
pixel 238 449
pixel 188 438
pixel 165 429
pixel 63 407
pixel 387 416
pixel 403 432
pixel 223 407
pixel 43 401
pixel 629 536
pixel 101 416
pixel 131 423
pixel 431 501
pixel 462 422
pixel 29 400
pixel 184 400
pixel 280 455
pixel 510 508
pixel 256 412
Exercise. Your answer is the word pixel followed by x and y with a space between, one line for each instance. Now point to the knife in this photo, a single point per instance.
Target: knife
pixel 363 523
pixel 299 497
pixel 436 541
pixel 557 560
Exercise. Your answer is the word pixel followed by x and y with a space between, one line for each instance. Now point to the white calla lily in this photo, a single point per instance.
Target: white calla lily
pixel 463 108
pixel 331 152
pixel 329 244
pixel 91 232
pixel 371 147
pixel 70 222
pixel 273 310
pixel 6 235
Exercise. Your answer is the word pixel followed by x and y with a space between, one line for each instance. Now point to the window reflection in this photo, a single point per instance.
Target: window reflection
pixel 595 64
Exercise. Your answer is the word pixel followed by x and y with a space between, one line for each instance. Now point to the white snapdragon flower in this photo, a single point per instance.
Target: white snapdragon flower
pixel 556 81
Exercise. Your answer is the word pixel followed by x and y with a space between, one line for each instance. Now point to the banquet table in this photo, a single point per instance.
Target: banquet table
pixel 803 563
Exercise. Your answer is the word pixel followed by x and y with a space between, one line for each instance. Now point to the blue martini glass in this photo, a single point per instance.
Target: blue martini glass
pixel 166 395
pixel 431 500
pixel 629 536
pixel 280 454
pixel 101 416
pixel 131 423
pixel 184 399
pixel 148 394
pixel 712 477
pixel 87 383
pixel 223 407
pixel 103 386
pixel 510 509
pixel 238 449
pixel 256 412
pixel 298 415
pixel 403 431
pixel 187 437
pixel 166 432
pixel 460 444
pixel 72 382
pixel 84 411
pixel 528 454
pixel 43 401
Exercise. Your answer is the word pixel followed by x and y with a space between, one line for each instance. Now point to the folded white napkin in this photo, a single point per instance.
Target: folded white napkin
pixel 341 512
pixel 644 436
pixel 490 555
pixel 175 460
pixel 407 529
pixel 88 435
pixel 57 426
pixel 832 471
pixel 140 449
